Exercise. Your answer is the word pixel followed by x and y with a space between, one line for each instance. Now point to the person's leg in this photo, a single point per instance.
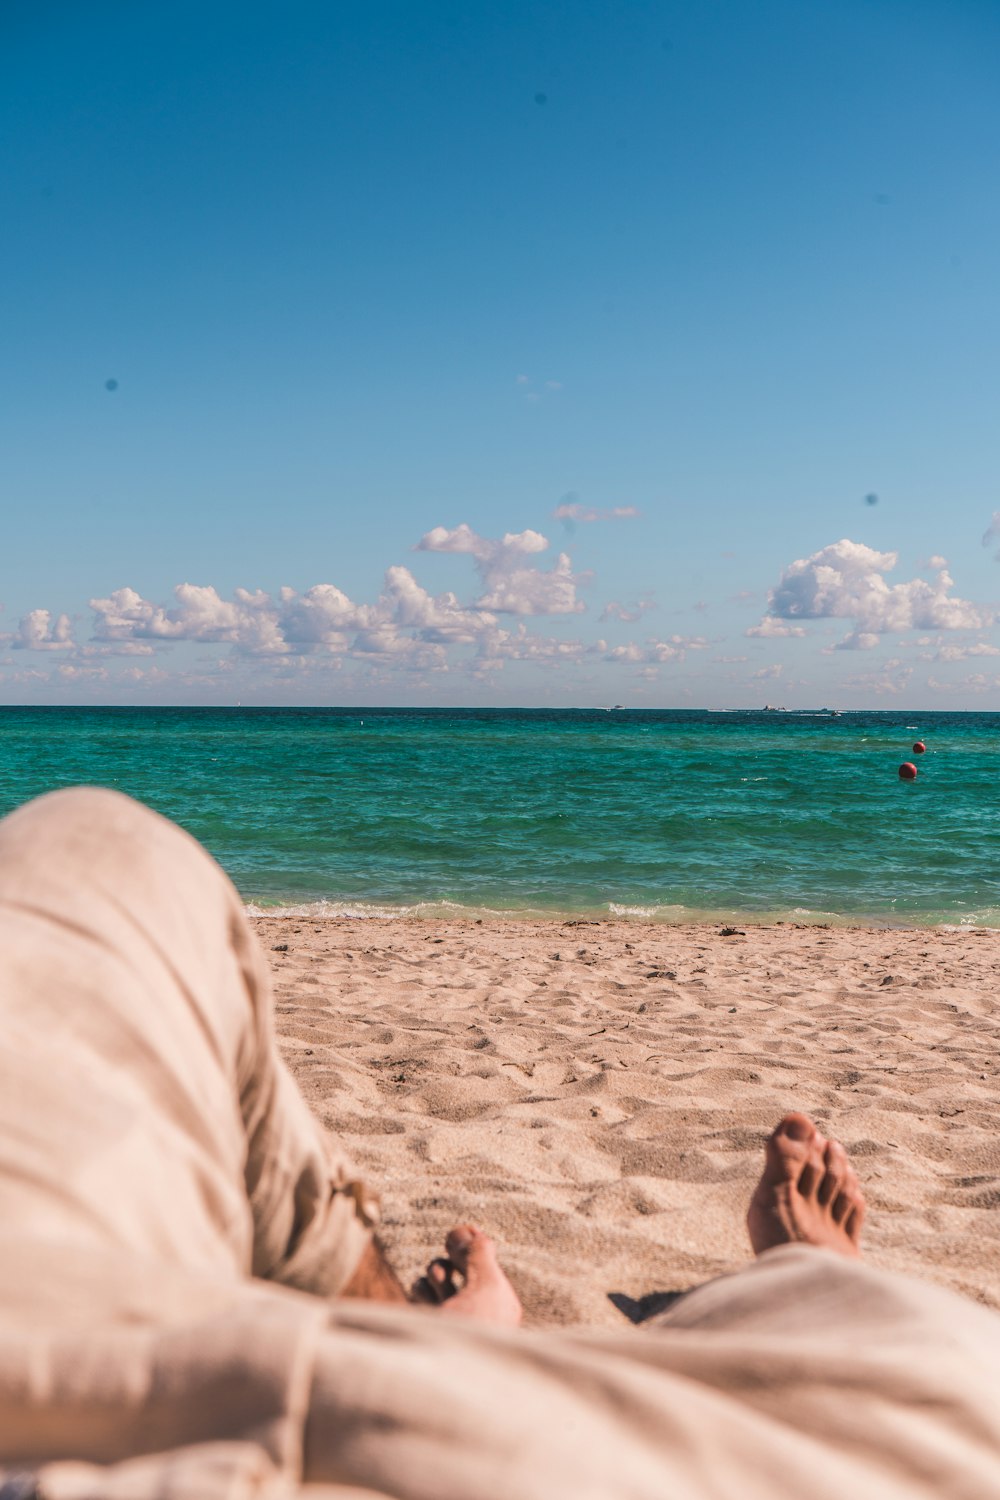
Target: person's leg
pixel 142 1099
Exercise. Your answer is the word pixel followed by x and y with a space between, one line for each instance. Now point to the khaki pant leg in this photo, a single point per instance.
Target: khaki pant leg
pixel 142 1099
pixel 803 1377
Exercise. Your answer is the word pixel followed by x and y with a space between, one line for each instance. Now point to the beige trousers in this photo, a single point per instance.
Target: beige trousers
pixel 174 1225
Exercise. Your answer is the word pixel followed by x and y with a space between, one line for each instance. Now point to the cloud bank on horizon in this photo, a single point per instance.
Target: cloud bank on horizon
pixel 409 634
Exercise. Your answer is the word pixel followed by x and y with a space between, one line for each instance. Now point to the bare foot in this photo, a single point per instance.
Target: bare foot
pixel 808 1193
pixel 484 1291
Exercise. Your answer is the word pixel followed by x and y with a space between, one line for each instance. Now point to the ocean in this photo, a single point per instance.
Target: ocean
pixel 669 815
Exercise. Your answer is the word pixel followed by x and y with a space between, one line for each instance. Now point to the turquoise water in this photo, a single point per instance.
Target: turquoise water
pixel 672 815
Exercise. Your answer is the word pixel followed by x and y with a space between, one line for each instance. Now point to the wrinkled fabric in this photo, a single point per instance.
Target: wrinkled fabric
pixel 176 1227
pixel 155 1155
pixel 804 1377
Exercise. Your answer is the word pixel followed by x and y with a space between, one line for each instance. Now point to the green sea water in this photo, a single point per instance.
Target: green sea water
pixel 672 815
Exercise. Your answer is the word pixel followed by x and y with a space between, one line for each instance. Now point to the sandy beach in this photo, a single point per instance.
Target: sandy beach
pixel 595 1094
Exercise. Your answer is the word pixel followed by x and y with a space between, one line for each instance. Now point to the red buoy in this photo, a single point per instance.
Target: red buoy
pixel 907 771
pixel 919 748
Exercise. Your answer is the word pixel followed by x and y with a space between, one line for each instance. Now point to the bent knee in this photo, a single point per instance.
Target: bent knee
pixel 91 838
pixel 86 805
pixel 82 823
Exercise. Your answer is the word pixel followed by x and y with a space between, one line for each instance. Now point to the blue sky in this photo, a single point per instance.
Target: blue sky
pixel 427 353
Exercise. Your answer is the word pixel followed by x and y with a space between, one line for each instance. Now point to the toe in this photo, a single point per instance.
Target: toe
pixel 808 1193
pixel 465 1243
pixel 438 1282
pixel 848 1198
pixel 424 1291
pixel 835 1171
pixel 841 1207
pixel 796 1127
pixel 485 1291
pixel 794 1154
pixel 788 1144
pixel 855 1219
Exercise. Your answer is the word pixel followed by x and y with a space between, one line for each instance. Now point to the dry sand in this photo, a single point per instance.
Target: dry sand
pixel 595 1095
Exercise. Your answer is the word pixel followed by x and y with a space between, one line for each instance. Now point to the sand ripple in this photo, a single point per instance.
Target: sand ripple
pixel 595 1094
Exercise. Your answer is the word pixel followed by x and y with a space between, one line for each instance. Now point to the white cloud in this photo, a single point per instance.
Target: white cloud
pixel 529 591
pixel 675 648
pixel 385 642
pixel 844 581
pixel 654 652
pixel 323 619
pixel 857 640
pixel 631 652
pixel 440 619
pixel 247 620
pixel 889 680
pixel 145 676
pixel 978 682
pixel 69 672
pixel 626 613
pixel 960 653
pixel 518 645
pixel 117 648
pixel 37 631
pixel 486 550
pixel 573 511
pixel 406 625
pixel 767 674
pixel 512 587
pixel 770 628
pixel 499 645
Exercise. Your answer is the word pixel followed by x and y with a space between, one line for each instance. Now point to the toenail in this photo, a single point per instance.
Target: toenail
pixel 797 1130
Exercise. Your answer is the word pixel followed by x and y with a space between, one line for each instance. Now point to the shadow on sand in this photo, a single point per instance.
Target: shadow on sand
pixel 641 1309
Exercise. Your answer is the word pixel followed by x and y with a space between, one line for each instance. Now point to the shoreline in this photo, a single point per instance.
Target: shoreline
pixel 451 912
pixel 595 1092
